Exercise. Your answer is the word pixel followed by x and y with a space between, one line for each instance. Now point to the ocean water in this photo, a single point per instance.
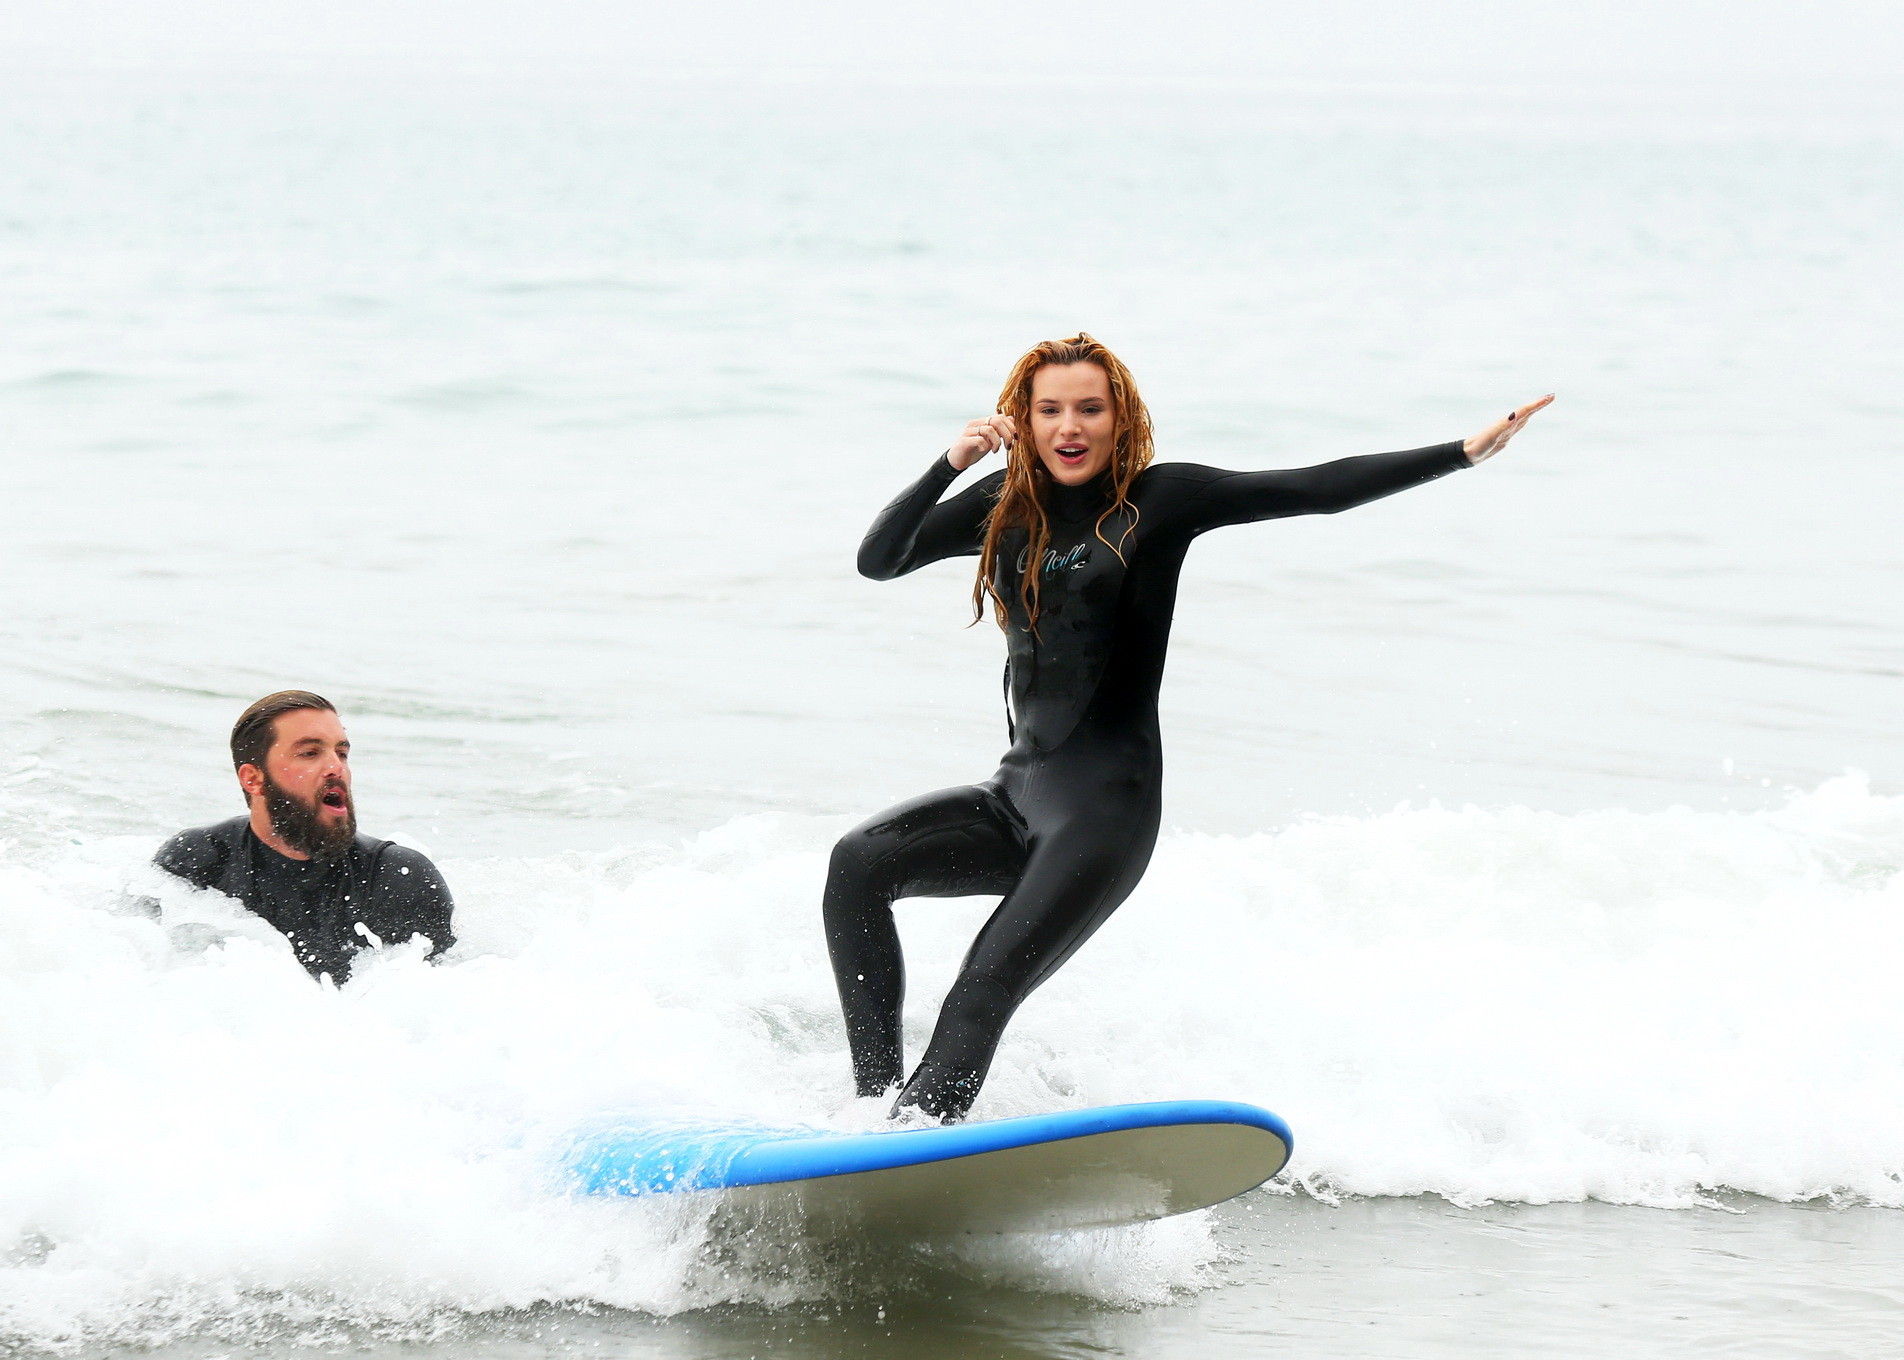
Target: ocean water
pixel 1534 839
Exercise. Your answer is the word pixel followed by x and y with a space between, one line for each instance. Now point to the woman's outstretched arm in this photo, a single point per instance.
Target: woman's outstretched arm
pixel 1242 497
pixel 916 529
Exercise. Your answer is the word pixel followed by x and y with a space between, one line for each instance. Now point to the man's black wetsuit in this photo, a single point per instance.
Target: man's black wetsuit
pixel 392 891
pixel 1065 828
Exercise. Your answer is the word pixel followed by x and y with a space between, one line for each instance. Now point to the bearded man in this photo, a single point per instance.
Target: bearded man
pixel 296 859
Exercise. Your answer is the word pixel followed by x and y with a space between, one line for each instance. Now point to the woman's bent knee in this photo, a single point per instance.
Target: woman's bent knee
pixel 856 856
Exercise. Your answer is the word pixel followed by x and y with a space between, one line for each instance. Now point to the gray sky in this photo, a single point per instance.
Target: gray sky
pixel 1444 42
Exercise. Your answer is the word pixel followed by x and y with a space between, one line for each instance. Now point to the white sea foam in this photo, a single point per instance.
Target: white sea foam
pixel 1479 1004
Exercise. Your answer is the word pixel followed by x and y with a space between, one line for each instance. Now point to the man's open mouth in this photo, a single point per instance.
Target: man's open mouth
pixel 335 800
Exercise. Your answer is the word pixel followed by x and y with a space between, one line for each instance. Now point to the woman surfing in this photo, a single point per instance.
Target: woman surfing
pixel 1080 539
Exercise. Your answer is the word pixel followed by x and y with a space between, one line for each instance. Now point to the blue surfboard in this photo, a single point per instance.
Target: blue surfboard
pixel 1094 1168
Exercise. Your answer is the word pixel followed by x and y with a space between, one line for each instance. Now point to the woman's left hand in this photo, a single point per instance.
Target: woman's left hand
pixel 1494 438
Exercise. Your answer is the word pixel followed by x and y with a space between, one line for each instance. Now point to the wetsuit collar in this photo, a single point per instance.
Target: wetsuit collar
pixel 271 853
pixel 1074 503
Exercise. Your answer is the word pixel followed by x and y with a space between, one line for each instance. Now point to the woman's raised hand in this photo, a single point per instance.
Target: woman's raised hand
pixel 1494 438
pixel 985 435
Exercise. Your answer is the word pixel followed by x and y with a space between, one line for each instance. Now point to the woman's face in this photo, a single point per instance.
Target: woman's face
pixel 1072 421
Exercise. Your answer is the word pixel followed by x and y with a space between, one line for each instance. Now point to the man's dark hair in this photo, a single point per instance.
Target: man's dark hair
pixel 257 726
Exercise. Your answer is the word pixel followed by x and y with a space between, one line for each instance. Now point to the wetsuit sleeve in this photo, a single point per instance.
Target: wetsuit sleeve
pixel 415 899
pixel 916 528
pixel 1219 497
pixel 197 856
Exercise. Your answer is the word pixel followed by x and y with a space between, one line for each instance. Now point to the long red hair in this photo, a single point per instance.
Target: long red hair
pixel 1021 499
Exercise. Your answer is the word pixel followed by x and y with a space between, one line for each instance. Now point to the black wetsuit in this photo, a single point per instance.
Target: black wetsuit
pixel 1065 828
pixel 390 890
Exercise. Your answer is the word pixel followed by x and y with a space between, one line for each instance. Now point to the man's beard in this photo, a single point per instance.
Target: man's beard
pixel 302 827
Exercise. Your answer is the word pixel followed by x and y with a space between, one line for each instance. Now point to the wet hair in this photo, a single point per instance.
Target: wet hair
pixel 257 726
pixel 1021 497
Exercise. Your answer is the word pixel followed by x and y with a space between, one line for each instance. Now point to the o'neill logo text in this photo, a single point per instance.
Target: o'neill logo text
pixel 1057 561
